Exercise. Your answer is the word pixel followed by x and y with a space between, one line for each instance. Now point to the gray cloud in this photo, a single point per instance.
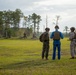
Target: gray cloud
pixel 66 11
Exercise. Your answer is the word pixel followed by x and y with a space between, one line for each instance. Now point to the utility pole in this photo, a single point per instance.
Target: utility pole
pixel 46 21
pixel 45 26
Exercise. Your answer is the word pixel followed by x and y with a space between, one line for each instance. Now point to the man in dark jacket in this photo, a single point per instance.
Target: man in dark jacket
pixel 45 38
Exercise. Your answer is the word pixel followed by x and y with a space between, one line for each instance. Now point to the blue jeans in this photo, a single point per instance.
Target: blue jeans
pixel 54 51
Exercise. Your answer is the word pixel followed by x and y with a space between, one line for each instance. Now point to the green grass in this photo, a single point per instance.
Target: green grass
pixel 23 57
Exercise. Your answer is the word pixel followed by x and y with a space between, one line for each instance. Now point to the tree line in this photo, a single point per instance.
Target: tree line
pixel 10 23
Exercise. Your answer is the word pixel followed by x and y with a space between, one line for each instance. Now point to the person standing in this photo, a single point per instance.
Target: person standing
pixel 25 36
pixel 45 41
pixel 56 36
pixel 72 43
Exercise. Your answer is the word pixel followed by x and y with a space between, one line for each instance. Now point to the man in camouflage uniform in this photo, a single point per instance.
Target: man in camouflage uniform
pixel 45 50
pixel 56 35
pixel 72 43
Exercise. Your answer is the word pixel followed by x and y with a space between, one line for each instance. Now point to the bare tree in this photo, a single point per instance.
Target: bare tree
pixel 56 21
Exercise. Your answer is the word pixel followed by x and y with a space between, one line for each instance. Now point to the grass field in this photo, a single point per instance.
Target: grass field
pixel 23 57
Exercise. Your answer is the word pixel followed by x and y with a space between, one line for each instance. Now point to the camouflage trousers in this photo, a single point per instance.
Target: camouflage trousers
pixel 72 49
pixel 45 50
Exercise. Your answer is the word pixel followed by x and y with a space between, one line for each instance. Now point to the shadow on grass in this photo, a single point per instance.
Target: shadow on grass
pixel 26 64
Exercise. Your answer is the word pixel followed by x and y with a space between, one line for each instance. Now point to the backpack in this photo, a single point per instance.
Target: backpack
pixel 74 35
pixel 56 36
pixel 43 37
pixel 74 39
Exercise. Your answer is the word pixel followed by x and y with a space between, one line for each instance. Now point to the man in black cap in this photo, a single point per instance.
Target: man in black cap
pixel 45 38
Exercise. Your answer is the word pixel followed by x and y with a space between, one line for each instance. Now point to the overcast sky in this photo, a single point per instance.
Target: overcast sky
pixel 66 9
